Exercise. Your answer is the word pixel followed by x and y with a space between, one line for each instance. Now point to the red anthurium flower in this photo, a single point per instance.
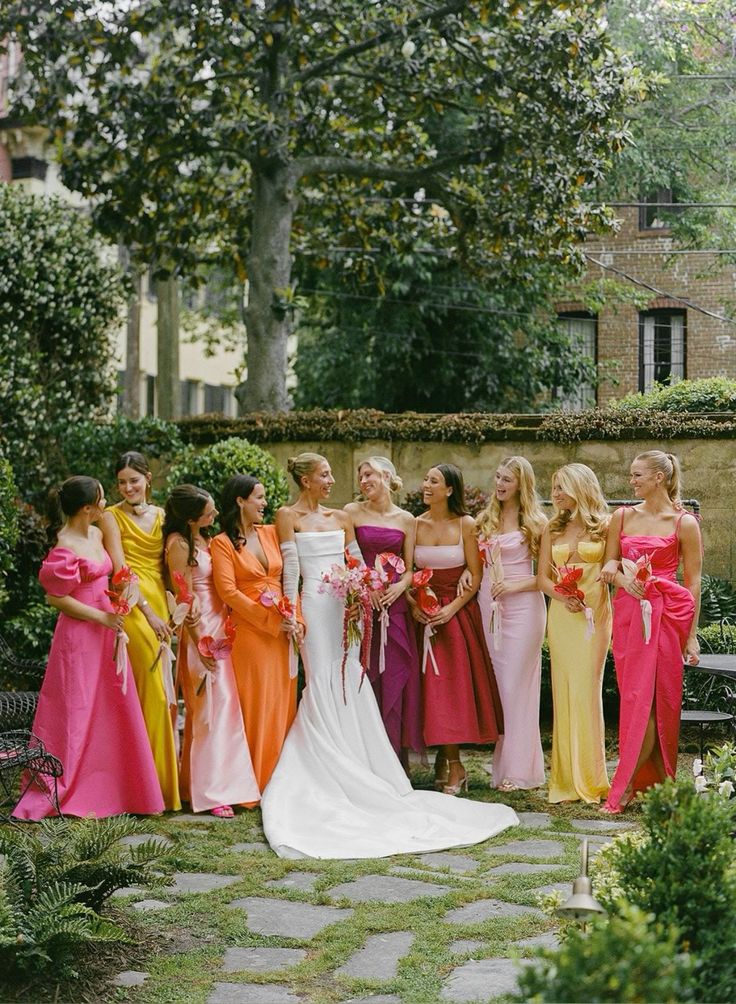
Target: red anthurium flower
pixel 350 561
pixel 123 576
pixel 183 594
pixel 567 584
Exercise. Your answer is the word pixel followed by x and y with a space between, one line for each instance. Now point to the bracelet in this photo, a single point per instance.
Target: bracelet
pixel 143 604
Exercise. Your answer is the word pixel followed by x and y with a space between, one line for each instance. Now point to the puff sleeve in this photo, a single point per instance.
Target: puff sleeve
pixel 60 573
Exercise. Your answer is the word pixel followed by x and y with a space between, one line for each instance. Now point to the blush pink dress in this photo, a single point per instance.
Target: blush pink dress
pixel 517 661
pixel 649 674
pixel 83 716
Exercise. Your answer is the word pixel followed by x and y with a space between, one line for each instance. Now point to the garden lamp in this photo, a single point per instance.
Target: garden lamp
pixel 582 904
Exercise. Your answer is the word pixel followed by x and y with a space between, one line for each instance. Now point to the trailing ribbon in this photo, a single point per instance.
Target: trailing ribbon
pixel 589 622
pixel 495 623
pixel 641 571
pixel 646 620
pixel 428 652
pixel 206 681
pixel 490 553
pixel 121 657
pixel 383 620
pixel 167 657
pixel 293 662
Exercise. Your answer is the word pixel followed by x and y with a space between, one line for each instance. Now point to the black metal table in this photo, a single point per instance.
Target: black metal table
pixel 716 665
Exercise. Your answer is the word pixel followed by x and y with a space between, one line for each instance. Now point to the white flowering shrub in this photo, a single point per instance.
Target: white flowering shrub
pixel 717 771
pixel 60 303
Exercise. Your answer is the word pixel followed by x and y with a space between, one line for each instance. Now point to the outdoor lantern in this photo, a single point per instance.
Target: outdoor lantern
pixel 582 904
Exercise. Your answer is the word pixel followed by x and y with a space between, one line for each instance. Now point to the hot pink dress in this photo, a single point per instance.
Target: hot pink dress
pixel 216 768
pixel 83 717
pixel 649 674
pixel 517 660
pixel 460 698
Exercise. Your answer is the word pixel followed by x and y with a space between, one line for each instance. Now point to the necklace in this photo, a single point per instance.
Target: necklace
pixel 138 508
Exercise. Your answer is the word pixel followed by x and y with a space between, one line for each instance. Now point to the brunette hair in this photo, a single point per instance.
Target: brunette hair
pixel 454 479
pixel 669 465
pixel 580 483
pixel 384 467
pixel 185 503
pixel 532 520
pixel 302 465
pixel 68 499
pixel 136 462
pixel 240 486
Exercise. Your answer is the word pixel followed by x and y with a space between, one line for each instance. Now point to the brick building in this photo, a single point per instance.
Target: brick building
pixel 674 333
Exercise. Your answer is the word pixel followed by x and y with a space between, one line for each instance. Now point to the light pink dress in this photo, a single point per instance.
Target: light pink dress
pixel 83 716
pixel 215 764
pixel 517 660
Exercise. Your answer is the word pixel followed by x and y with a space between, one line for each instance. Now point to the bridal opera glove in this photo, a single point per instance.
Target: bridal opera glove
pixel 290 574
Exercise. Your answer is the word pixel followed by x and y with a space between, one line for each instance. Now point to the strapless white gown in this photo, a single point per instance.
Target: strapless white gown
pixel 338 790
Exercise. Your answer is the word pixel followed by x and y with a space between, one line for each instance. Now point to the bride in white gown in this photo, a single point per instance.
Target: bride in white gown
pixel 338 790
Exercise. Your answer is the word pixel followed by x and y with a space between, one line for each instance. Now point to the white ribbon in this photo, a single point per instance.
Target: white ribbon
pixel 121 657
pixel 495 623
pixel 383 620
pixel 208 680
pixel 646 618
pixel 589 622
pixel 293 662
pixel 166 656
pixel 428 652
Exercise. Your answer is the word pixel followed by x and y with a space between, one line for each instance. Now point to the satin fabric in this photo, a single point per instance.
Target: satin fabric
pixel 338 790
pixel 260 653
pixel 650 675
pixel 83 717
pixel 577 661
pixel 398 688
pixel 216 768
pixel 517 663
pixel 144 555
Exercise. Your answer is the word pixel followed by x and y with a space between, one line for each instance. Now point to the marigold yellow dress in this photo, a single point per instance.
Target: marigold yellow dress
pixel 144 554
pixel 577 663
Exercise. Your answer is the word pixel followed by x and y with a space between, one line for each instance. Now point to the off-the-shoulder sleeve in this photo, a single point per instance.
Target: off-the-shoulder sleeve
pixel 60 574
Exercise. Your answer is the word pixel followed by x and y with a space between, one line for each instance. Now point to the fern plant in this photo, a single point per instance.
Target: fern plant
pixel 717 601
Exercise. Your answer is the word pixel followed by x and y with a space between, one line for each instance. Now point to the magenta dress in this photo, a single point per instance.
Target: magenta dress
pixel 398 688
pixel 83 717
pixel 649 674
pixel 216 768
pixel 460 698
pixel 517 660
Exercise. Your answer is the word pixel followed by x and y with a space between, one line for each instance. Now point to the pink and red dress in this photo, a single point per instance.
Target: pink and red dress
pixel 398 687
pixel 649 674
pixel 83 716
pixel 460 698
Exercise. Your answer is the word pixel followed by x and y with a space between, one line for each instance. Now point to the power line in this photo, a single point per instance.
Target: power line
pixel 666 251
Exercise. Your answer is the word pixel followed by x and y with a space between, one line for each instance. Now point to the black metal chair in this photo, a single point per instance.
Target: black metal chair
pixel 17 707
pixel 22 753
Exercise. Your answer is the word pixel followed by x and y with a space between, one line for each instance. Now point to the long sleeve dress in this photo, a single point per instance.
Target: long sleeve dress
pixel 144 554
pixel 260 653
pixel 83 716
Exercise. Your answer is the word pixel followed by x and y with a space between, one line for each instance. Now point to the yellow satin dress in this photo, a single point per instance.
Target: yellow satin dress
pixel 144 554
pixel 577 663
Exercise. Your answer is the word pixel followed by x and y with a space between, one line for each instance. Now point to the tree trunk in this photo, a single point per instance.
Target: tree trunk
pixel 132 381
pixel 167 331
pixel 267 315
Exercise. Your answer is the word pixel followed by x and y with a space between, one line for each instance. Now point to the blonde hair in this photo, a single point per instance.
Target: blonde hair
pixel 383 466
pixel 302 466
pixel 532 520
pixel 669 465
pixel 581 484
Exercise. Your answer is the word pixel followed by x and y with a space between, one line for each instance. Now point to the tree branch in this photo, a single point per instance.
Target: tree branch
pixel 416 174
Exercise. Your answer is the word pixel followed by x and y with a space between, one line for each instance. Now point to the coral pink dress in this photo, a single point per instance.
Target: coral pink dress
pixel 83 716
pixel 216 768
pixel 460 698
pixel 517 660
pixel 650 674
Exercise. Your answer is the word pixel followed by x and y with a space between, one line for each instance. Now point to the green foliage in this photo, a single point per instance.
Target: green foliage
pixel 701 690
pixel 712 394
pixel 716 773
pixel 8 522
pixel 54 879
pixel 212 467
pixel 717 601
pixel 60 303
pixel 630 957
pixel 600 423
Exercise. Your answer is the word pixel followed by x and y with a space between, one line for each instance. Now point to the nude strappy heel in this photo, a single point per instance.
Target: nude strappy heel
pixel 461 785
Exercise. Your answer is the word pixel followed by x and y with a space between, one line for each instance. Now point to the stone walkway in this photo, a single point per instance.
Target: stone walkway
pixel 289 912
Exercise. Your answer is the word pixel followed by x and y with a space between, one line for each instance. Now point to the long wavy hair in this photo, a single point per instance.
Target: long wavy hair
pixel 581 484
pixel 532 520
pixel 240 486
pixel 185 503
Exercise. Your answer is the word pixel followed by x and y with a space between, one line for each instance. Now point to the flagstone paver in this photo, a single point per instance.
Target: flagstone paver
pixel 128 890
pixel 530 848
pixel 252 993
pixel 202 881
pixel 594 825
pixel 564 887
pixel 534 818
pixel 136 839
pixel 375 999
pixel 302 881
pixel 379 957
pixel 463 945
pixel 548 940
pixel 130 978
pixel 253 845
pixel 195 819
pixel 146 905
pixel 291 920
pixel 485 909
pixel 261 959
pixel 385 889
pixel 520 868
pixel 455 862
pixel 482 980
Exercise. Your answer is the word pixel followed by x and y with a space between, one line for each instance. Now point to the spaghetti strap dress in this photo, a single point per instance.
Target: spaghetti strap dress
pixel 649 674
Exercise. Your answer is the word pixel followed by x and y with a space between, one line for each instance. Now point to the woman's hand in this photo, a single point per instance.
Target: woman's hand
pixel 111 620
pixel 376 596
pixel 574 605
pixel 160 628
pixel 632 586
pixel 391 594
pixel 609 572
pixel 445 614
pixel 464 583
pixel 691 655
pixel 299 633
pixel 208 662
pixel 416 613
pixel 502 588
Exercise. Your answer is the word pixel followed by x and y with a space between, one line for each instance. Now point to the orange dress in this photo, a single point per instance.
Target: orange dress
pixel 260 653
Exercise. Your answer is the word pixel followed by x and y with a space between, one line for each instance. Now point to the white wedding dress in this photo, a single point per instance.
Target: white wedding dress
pixel 338 790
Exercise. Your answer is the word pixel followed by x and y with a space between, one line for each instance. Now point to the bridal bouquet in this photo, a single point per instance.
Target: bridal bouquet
pixel 352 583
pixel 490 555
pixel 426 600
pixel 270 598
pixel 567 585
pixel 123 596
pixel 390 567
pixel 641 571
pixel 181 603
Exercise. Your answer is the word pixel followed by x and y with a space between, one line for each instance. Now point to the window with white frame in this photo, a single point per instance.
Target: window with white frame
pixel 662 347
pixel 582 329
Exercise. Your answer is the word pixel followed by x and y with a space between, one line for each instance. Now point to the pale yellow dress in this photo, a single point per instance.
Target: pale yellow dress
pixel 577 663
pixel 144 554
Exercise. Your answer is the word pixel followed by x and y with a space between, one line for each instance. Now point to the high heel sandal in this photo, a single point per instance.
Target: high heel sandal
pixel 222 811
pixel 461 785
pixel 615 810
pixel 441 773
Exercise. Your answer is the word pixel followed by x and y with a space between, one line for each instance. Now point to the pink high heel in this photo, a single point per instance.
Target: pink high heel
pixel 222 811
